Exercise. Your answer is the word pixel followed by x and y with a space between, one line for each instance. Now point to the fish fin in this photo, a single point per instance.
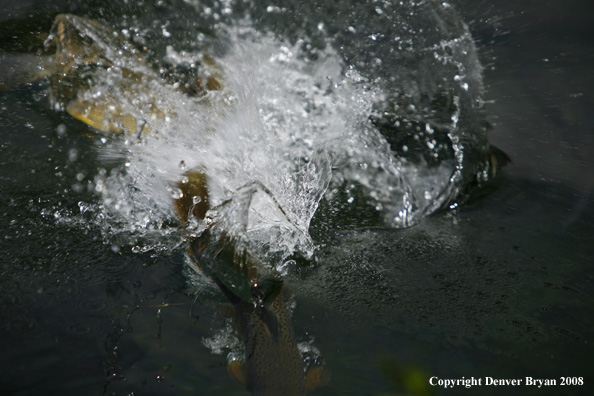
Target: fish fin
pixel 497 160
pixel 316 378
pixel 214 81
pixel 213 84
pixel 195 262
pixel 238 372
pixel 99 116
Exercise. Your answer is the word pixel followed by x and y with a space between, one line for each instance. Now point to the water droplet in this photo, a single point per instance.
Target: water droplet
pixel 73 155
pixel 61 130
pixel 283 268
pixel 176 193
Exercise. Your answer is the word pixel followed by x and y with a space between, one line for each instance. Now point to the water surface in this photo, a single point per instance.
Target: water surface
pixel 500 286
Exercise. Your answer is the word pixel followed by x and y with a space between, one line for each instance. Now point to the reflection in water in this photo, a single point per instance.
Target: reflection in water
pixel 251 131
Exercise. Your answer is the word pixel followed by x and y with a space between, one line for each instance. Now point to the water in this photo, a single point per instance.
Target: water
pixel 498 287
pixel 302 111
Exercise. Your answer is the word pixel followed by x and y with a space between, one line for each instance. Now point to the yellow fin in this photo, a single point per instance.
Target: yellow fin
pixel 316 378
pixel 238 372
pixel 99 116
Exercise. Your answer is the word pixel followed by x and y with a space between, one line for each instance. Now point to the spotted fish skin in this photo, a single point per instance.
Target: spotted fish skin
pixel 273 364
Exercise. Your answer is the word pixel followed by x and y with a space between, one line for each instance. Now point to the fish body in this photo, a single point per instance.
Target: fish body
pixel 86 50
pixel 262 306
pixel 273 364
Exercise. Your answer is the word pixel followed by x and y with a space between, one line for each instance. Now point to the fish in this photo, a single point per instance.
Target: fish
pixel 262 304
pixel 273 364
pixel 84 48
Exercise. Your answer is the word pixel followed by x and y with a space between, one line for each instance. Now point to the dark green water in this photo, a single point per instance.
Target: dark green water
pixel 501 288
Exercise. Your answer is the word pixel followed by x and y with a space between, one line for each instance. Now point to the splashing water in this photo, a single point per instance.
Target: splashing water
pixel 292 126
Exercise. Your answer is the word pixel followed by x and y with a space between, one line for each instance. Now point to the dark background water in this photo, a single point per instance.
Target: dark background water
pixel 502 288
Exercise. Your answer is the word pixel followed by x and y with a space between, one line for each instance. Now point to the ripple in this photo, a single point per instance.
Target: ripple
pixel 93 305
pixel 22 325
